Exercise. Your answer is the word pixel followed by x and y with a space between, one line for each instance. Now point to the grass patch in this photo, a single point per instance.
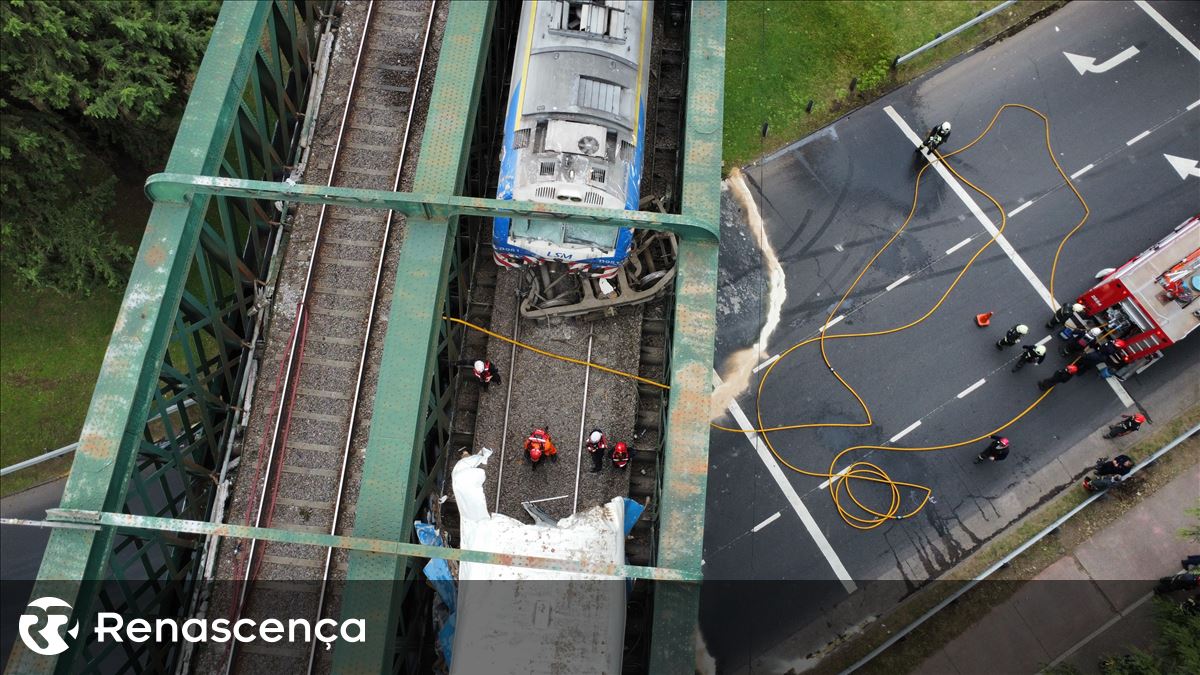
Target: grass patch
pixel 51 347
pixel 956 618
pixel 781 54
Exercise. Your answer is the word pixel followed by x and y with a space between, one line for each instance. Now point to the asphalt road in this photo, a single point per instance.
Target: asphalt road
pixel 21 550
pixel 832 199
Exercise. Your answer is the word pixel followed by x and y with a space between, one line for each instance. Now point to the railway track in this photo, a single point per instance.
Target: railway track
pixel 301 471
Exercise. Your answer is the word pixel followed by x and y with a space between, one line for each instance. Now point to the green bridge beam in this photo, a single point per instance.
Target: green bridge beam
pixel 178 189
pixel 125 521
pixel 685 457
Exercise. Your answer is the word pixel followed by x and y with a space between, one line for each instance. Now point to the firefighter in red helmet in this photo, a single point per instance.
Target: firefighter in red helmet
pixel 621 454
pixel 538 445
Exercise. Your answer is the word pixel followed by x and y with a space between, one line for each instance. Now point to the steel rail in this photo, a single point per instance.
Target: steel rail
pixel 301 308
pixel 512 369
pixel 587 376
pixel 362 359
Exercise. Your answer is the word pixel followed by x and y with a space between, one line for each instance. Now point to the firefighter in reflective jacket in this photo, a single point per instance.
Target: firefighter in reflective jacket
pixel 597 447
pixel 484 371
pixel 1034 354
pixel 540 445
pixel 620 455
pixel 1013 336
pixel 1063 313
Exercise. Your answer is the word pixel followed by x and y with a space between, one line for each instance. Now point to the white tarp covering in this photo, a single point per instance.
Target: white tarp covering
pixel 519 620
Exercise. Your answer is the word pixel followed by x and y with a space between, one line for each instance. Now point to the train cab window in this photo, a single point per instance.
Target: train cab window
pixel 592 18
pixel 521 138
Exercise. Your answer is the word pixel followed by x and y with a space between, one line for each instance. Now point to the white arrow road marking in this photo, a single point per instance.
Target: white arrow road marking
pixel 1183 166
pixel 1087 64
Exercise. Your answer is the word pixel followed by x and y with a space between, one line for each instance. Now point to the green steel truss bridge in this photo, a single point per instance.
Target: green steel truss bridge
pixel 187 325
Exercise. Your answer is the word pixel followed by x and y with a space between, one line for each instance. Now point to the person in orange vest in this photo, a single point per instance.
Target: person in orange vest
pixel 621 454
pixel 538 445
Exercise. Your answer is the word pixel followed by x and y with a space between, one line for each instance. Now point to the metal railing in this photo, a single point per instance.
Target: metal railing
pixel 942 38
pixel 1003 562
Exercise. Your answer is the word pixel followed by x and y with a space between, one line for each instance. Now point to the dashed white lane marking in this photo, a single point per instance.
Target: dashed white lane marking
pixel 1194 104
pixel 897 282
pixel 768 521
pixel 964 392
pixel 1137 138
pixel 960 244
pixel 789 493
pixel 766 363
pixel 1019 209
pixel 836 476
pixel 1171 30
pixel 1001 240
pixel 1082 171
pixel 1045 340
pixel 904 433
pixel 835 320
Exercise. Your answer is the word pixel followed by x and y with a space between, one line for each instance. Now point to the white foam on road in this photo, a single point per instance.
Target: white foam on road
pixel 740 365
pixel 789 493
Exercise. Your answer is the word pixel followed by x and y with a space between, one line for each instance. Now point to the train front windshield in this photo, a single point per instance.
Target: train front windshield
pixel 591 236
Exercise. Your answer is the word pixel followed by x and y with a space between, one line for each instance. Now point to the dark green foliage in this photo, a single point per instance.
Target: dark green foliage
pixel 85 86
pixel 1176 650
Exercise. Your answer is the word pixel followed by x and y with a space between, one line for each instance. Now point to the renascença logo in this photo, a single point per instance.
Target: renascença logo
pixel 51 634
pixel 112 627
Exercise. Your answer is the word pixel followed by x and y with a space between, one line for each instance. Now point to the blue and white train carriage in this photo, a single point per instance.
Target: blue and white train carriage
pixel 574 129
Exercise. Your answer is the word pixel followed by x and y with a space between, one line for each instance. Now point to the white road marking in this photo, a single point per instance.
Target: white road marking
pixel 1001 240
pixel 1171 30
pixel 1194 104
pixel 904 433
pixel 829 325
pixel 1087 64
pixel 1045 340
pixel 1137 138
pixel 964 392
pixel 1119 389
pixel 1019 209
pixel 1082 171
pixel 789 493
pixel 768 521
pixel 1183 166
pixel 959 245
pixel 836 476
pixel 897 282
pixel 766 363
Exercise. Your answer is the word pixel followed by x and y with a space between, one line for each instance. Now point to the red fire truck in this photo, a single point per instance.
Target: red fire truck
pixel 1149 303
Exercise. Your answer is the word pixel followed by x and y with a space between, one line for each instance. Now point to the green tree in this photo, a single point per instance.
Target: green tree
pixel 85 86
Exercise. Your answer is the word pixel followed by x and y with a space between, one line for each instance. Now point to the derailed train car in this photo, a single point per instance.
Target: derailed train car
pixel 574 133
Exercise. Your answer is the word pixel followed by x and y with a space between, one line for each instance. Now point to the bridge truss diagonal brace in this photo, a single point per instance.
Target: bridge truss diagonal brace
pixel 177 188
